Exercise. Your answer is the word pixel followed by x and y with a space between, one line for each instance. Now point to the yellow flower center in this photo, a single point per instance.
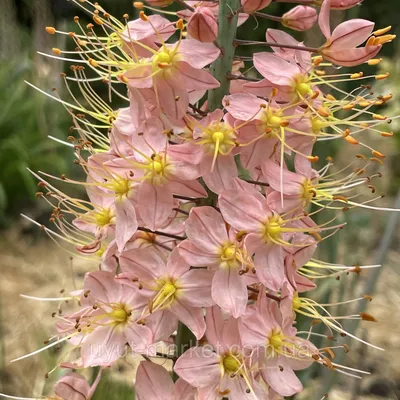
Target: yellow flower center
pixel 276 339
pixel 119 314
pixel 302 86
pixel 271 229
pixel 218 138
pixel 229 254
pixel 309 192
pixel 158 169
pixel 104 217
pixel 121 187
pixel 231 364
pixel 166 294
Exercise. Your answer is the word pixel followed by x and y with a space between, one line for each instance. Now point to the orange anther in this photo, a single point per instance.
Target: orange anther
pixel 351 140
pixel 382 31
pixel 51 30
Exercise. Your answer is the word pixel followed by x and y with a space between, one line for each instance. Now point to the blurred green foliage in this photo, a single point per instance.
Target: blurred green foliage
pixel 26 118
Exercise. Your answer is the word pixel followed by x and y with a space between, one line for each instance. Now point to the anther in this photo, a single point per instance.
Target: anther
pixel 367 317
pixel 351 140
pixel 380 77
pixel 143 16
pixel 138 4
pixel 378 154
pixel 50 30
pixel 313 159
pixel 56 51
pixel 374 61
pixel 382 31
pixel 387 134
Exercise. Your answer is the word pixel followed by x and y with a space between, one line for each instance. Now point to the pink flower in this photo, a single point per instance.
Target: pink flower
pixel 222 368
pixel 267 233
pixel 341 45
pixel 107 321
pixel 269 126
pixel 158 175
pixel 211 148
pixel 300 18
pixel 153 382
pixel 297 187
pixel 173 70
pixel 175 291
pixel 278 351
pixel 212 244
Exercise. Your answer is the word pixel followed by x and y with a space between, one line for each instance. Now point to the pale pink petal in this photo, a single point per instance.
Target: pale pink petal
pixel 153 382
pixel 195 79
pixel 163 324
pixel 173 99
pixel 199 366
pixel 270 268
pixel 176 265
pixel 350 34
pixel 220 178
pixel 183 390
pixel 126 223
pixel 291 184
pixel 205 227
pixel 324 19
pixel 198 54
pixel 275 69
pixel 102 287
pixel 72 386
pixel 215 327
pixel 229 291
pixel 280 37
pixel 144 264
pixel 186 152
pixel 192 317
pixel 187 188
pixel 140 338
pixel 196 288
pixel 104 346
pixel 303 166
pixel 195 256
pixel 140 76
pixel 243 212
pixel 243 106
pixel 285 381
pixel 137 108
pixel 155 204
pixel 351 57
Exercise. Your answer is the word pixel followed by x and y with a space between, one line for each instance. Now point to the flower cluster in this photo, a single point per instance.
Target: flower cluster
pixel 202 213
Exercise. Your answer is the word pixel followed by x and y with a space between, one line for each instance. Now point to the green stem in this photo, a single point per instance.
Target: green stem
pixel 184 340
pixel 222 67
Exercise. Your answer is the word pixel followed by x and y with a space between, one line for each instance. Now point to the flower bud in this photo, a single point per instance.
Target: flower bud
pixel 202 25
pixel 72 386
pixel 300 18
pixel 250 6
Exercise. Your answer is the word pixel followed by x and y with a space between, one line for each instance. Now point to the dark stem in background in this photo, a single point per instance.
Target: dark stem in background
pixel 221 68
